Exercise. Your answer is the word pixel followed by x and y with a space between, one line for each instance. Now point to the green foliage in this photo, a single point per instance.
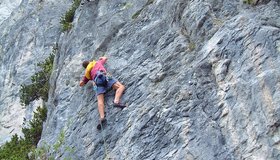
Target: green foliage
pixel 135 15
pixel 39 87
pixel 67 19
pixel 18 148
pixel 248 1
pixel 126 5
pixel 66 25
pixel 60 140
pixel 70 149
pixel 33 133
pixel 44 151
pixel 41 153
pixel 191 46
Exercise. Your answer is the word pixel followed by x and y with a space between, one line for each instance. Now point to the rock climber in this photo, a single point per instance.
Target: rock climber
pixel 102 81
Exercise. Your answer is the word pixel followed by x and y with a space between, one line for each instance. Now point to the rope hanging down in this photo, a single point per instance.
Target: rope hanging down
pixel 104 142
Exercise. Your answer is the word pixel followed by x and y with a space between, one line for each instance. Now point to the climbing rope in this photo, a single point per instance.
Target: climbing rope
pixel 104 142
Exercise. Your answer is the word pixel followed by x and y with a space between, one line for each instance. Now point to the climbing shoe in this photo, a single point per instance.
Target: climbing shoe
pixel 101 124
pixel 119 105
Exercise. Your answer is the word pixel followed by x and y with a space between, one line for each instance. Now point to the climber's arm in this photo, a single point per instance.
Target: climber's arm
pixel 103 60
pixel 84 81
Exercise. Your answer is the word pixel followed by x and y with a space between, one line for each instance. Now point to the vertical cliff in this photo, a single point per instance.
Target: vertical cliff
pixel 202 77
pixel 27 38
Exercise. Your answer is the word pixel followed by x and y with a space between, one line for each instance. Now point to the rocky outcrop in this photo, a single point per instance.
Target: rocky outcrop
pixel 26 38
pixel 202 81
pixel 6 8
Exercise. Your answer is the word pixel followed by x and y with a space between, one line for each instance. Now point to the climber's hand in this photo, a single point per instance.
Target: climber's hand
pixel 82 83
pixel 103 58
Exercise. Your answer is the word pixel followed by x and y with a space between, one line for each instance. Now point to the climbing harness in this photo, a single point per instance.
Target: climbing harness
pixel 101 79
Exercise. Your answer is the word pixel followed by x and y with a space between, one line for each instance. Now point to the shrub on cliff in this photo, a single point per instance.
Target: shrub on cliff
pixel 248 1
pixel 67 19
pixel 18 147
pixel 32 133
pixel 39 87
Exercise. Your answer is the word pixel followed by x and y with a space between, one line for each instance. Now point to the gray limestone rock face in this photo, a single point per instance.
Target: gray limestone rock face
pixel 26 38
pixel 6 8
pixel 201 77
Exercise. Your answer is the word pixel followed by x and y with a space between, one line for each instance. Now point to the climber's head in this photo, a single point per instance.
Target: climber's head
pixel 85 64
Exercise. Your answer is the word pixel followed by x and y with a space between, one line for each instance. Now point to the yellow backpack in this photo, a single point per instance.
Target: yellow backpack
pixel 89 68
